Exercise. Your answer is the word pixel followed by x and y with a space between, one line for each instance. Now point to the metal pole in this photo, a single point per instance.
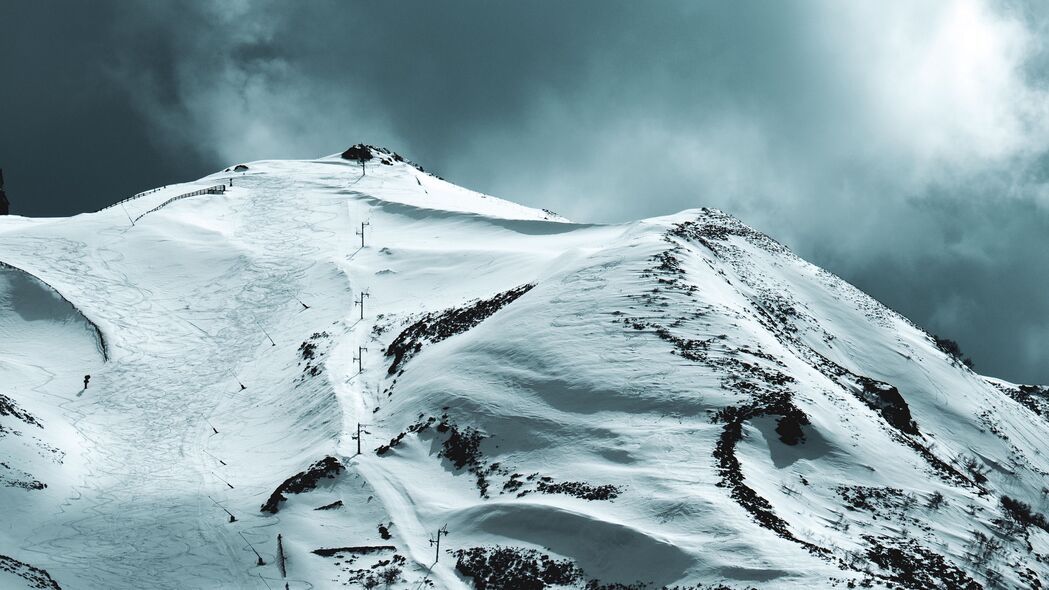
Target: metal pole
pixel 440 531
pixel 128 214
pixel 361 233
pixel 237 379
pixel 359 358
pixel 360 300
pixel 272 343
pixel 231 517
pixel 223 481
pixel 213 456
pixel 260 562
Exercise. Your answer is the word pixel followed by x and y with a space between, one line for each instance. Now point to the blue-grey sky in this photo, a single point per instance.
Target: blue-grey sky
pixel 902 144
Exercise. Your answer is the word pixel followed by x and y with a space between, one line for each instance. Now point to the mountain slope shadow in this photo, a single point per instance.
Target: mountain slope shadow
pixel 604 550
pixel 813 447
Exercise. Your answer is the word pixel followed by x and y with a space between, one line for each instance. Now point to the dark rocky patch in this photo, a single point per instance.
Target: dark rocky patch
pixel 579 489
pixel 766 388
pixel 509 568
pixel 514 483
pixel 8 407
pixel 5 205
pixel 668 272
pixel 437 326
pixel 714 228
pixel 359 153
pixel 358 550
pixel 1033 397
pixel 514 568
pixel 463 445
pixel 912 566
pixel 21 479
pixel 334 505
pixel 951 349
pixel 887 401
pixel 308 350
pixel 418 427
pixel 547 485
pixel 34 576
pixel 328 467
pixel 879 502
pixel 731 474
pixel 381 571
pixel 1030 577
pixel 364 153
pixel 463 448
pixel 876 401
pixel 943 469
pixel 1022 514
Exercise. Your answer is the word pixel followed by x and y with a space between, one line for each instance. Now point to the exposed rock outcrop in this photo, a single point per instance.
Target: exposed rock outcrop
pixel 5 205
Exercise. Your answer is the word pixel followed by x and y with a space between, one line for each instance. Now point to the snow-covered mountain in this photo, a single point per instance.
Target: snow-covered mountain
pixel 676 402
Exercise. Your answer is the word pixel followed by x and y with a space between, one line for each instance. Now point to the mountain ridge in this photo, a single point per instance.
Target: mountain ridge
pixel 675 402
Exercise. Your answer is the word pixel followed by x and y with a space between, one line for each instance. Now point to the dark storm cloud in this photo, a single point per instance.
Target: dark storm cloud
pixel 901 145
pixel 71 139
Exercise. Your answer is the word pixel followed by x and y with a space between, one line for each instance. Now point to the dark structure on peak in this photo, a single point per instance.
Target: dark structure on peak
pixel 363 152
pixel 359 152
pixel 5 205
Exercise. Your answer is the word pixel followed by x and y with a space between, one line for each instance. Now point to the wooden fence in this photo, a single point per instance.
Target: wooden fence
pixel 218 189
pixel 132 198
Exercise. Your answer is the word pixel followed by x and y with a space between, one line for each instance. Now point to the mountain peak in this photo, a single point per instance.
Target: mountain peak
pixel 375 357
pixel 362 152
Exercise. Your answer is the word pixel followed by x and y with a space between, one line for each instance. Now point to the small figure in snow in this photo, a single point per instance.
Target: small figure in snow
pixel 86 379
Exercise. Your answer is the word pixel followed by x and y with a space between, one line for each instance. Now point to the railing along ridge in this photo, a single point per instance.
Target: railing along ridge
pixel 132 198
pixel 217 189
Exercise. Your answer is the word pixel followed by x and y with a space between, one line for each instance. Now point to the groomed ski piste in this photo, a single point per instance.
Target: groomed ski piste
pixel 673 402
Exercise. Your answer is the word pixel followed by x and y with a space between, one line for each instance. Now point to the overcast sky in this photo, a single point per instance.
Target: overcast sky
pixel 903 145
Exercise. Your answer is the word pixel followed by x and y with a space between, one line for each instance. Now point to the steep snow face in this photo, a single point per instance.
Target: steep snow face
pixel 276 399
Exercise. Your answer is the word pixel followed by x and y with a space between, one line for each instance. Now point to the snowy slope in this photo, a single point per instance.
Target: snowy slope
pixel 679 401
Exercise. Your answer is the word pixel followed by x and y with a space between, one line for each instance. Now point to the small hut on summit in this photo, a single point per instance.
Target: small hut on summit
pixel 359 152
pixel 5 205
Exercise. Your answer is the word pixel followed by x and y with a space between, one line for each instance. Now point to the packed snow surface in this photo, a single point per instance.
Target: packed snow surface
pixel 677 401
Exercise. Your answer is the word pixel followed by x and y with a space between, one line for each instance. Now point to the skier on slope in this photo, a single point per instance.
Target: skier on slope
pixel 86 379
